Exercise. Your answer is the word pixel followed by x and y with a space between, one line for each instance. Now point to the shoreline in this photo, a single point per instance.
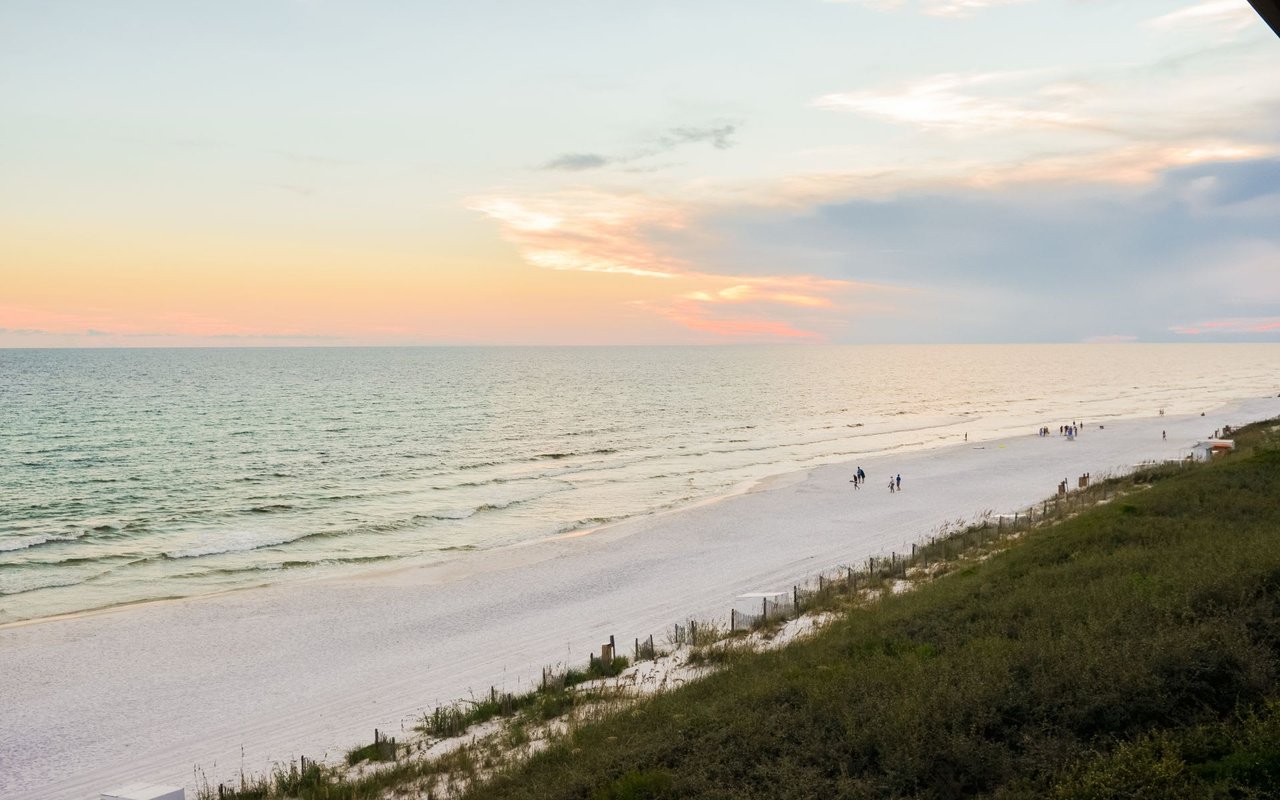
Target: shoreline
pixel 305 667
pixel 419 563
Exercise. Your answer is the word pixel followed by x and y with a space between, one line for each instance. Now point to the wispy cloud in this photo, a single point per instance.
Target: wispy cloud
pixel 590 231
pixel 955 102
pixel 697 317
pixel 576 162
pixel 26 321
pixel 1128 164
pixel 937 8
pixel 1237 325
pixel 585 231
pixel 1225 15
pixel 719 135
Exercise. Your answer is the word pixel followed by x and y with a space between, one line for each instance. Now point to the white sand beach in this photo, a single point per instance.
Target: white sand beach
pixel 150 692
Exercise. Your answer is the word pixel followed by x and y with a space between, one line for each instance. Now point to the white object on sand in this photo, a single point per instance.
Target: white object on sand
pixel 145 791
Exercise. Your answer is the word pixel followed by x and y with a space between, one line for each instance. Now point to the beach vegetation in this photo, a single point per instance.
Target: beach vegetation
pixel 1129 647
pixel 382 749
pixel 1117 653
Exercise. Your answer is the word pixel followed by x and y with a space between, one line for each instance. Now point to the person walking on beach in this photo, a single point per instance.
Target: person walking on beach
pixel 891 486
pixel 862 476
pixel 1164 435
pixel 898 480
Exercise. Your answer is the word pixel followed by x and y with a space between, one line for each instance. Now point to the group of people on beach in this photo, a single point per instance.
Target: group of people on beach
pixel 1070 431
pixel 860 477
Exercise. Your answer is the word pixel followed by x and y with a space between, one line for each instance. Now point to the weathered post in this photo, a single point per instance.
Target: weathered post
pixel 733 620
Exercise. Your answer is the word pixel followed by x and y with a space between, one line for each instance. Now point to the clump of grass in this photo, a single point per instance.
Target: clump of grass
pixel 649 784
pixel 446 722
pixel 598 668
pixel 382 749
pixel 1229 758
pixel 719 654
pixel 295 779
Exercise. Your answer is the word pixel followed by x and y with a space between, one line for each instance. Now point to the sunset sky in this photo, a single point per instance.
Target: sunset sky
pixel 331 172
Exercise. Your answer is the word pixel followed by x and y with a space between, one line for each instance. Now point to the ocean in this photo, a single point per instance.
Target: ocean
pixel 131 475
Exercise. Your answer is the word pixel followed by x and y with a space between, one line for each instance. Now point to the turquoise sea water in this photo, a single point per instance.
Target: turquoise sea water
pixel 136 474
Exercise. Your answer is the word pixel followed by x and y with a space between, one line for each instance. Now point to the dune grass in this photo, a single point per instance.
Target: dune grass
pixel 1134 645
pixel 1131 650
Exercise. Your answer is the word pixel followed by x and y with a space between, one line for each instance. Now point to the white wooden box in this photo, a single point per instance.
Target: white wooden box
pixel 145 791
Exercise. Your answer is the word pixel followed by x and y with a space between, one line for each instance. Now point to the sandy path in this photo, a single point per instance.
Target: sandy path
pixel 150 691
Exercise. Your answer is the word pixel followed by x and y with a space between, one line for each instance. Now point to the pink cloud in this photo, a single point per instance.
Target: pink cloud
pixel 1230 325
pixel 697 317
pixel 591 231
pixel 108 328
pixel 584 231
